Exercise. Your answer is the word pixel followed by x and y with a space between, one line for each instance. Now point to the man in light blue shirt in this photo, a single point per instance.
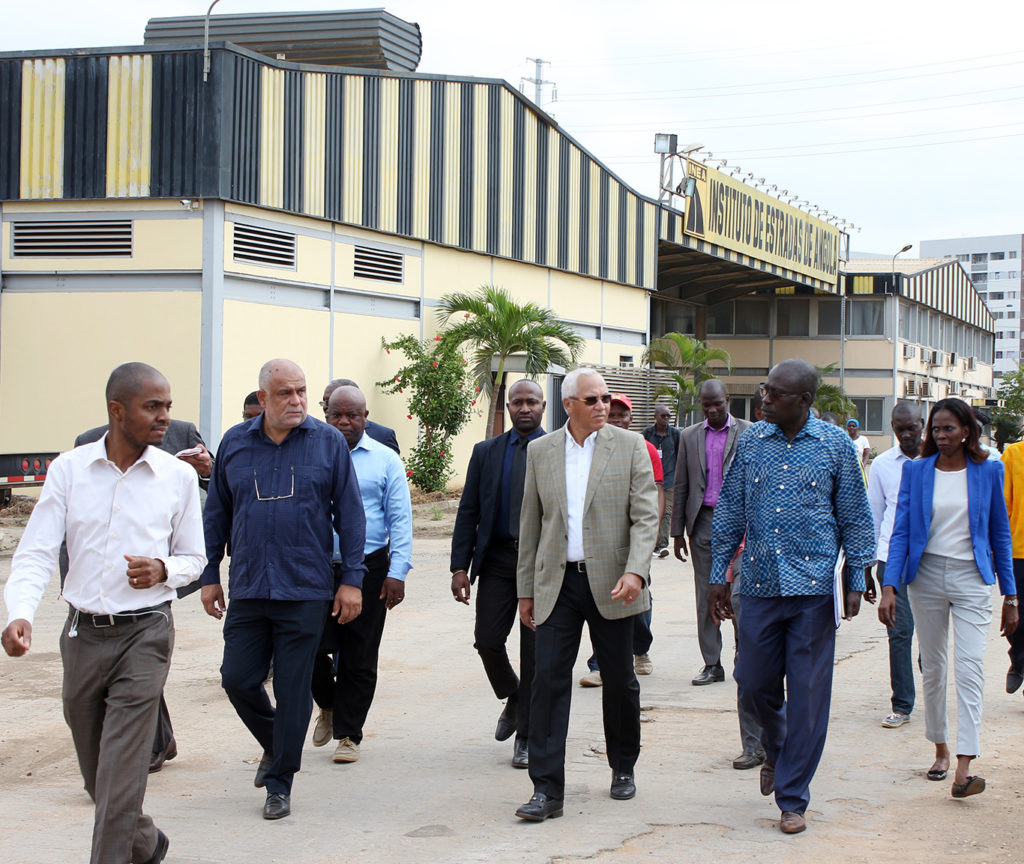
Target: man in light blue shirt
pixel 344 696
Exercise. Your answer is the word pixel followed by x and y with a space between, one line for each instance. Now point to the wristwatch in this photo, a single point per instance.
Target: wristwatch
pixel 1010 601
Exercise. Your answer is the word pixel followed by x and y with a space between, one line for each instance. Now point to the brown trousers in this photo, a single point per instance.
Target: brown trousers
pixel 113 678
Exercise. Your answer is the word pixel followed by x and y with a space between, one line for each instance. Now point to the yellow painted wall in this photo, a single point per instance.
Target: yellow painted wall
pixel 358 355
pixel 255 333
pixel 449 270
pixel 527 283
pixel 751 352
pixel 624 306
pixel 57 351
pixel 578 298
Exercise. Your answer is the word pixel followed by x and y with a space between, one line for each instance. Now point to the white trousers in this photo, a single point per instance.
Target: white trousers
pixel 945 587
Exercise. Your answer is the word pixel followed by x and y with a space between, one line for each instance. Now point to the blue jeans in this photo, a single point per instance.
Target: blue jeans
pixel 901 663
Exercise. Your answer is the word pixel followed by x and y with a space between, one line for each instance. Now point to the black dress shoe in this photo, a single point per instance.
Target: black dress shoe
pixel 161 849
pixel 507 720
pixel 1014 678
pixel 709 675
pixel 540 807
pixel 767 777
pixel 157 762
pixel 277 807
pixel 747 761
pixel 623 787
pixel 264 767
pixel 521 754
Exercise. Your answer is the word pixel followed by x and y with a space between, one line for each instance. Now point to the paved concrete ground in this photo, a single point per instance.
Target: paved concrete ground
pixel 432 784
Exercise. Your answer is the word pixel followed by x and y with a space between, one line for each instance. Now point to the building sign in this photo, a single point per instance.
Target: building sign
pixel 740 218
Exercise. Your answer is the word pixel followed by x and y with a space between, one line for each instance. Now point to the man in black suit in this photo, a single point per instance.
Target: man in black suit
pixel 384 434
pixel 485 542
pixel 181 435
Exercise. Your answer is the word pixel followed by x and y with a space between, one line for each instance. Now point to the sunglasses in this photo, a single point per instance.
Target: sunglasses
pixel 591 401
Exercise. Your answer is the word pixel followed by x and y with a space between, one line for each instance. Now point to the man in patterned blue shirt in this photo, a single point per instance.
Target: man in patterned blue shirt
pixel 796 489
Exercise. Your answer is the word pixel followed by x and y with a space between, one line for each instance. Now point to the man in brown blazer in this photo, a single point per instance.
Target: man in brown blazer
pixel 588 524
pixel 706 450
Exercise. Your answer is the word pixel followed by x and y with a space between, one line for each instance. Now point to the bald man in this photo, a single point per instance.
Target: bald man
pixel 134 535
pixel 282 481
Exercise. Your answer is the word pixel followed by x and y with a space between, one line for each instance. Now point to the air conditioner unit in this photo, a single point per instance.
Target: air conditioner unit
pixel 972 364
pixel 925 390
pixel 911 389
pixel 952 359
pixel 909 351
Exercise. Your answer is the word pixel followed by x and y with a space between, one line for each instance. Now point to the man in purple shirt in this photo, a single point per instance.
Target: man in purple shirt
pixel 705 453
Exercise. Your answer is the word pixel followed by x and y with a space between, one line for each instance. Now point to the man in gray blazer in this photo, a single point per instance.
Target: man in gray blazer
pixel 706 450
pixel 588 524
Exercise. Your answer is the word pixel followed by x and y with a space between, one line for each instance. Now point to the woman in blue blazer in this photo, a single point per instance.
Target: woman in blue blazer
pixel 952 535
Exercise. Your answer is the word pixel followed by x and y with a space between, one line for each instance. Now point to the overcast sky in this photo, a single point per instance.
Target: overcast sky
pixel 901 117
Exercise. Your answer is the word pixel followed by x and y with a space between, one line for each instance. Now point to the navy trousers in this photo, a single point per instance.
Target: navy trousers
pixel 558 644
pixel 287 631
pixel 1016 651
pixel 784 673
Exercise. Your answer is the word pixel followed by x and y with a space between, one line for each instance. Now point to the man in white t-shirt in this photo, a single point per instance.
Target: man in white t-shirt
pixel 859 441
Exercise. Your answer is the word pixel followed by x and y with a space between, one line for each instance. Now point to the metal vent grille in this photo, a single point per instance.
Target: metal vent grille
pixel 264 246
pixel 378 264
pixel 86 239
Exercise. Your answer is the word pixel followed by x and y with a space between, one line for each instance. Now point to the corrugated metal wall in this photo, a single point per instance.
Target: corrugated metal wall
pixel 463 163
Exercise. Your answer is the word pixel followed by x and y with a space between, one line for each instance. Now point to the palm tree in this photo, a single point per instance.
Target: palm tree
pixel 832 397
pixel 497 327
pixel 689 360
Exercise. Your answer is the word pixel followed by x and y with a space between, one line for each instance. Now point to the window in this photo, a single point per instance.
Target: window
pixel 999 355
pixel 1011 254
pixel 869 415
pixel 979 258
pixel 996 275
pixel 995 295
pixel 669 317
pixel 866 318
pixel 719 319
pixel 793 317
pixel 1012 274
pixel 963 257
pixel 828 317
pixel 980 277
pixel 626 361
pixel 995 256
pixel 752 317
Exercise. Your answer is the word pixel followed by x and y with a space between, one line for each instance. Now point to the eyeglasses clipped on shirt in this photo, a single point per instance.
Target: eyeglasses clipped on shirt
pixel 591 401
pixel 771 393
pixel 260 497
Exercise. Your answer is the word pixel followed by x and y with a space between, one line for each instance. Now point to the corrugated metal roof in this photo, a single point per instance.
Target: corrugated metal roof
pixel 362 38
pixel 907 266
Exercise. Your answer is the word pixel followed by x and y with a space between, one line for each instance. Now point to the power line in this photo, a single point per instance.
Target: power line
pixel 705 92
pixel 742 120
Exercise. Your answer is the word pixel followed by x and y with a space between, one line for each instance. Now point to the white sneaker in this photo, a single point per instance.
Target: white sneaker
pixel 895 720
pixel 346 751
pixel 642 664
pixel 591 679
pixel 324 729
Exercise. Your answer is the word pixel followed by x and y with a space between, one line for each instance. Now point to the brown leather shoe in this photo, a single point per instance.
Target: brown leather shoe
pixel 767 777
pixel 157 762
pixel 792 823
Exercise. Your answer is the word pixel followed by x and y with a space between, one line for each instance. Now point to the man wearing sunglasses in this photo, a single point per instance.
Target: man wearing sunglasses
pixel 282 484
pixel 588 524
pixel 795 490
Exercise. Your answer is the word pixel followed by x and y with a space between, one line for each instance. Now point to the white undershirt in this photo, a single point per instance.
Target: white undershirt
pixel 950 532
pixel 578 460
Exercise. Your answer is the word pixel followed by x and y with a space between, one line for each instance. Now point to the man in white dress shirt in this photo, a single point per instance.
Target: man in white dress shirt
pixel 883 492
pixel 134 535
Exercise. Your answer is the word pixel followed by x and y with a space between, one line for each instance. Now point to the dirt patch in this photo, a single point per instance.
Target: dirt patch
pixel 421 497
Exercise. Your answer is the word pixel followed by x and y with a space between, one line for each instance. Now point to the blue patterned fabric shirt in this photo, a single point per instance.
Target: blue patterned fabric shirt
pixel 799 502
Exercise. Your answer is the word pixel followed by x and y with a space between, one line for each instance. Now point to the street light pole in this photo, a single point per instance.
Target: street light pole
pixel 896 329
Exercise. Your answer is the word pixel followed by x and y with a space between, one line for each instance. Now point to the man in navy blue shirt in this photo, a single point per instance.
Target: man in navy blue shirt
pixel 282 483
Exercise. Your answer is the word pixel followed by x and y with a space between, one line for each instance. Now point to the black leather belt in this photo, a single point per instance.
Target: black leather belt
pixel 578 566
pixel 113 620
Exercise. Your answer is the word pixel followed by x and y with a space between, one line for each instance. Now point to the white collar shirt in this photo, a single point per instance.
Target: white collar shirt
pixel 883 492
pixel 152 510
pixel 578 459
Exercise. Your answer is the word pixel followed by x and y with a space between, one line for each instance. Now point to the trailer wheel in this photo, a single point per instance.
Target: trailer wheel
pixel 5 497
